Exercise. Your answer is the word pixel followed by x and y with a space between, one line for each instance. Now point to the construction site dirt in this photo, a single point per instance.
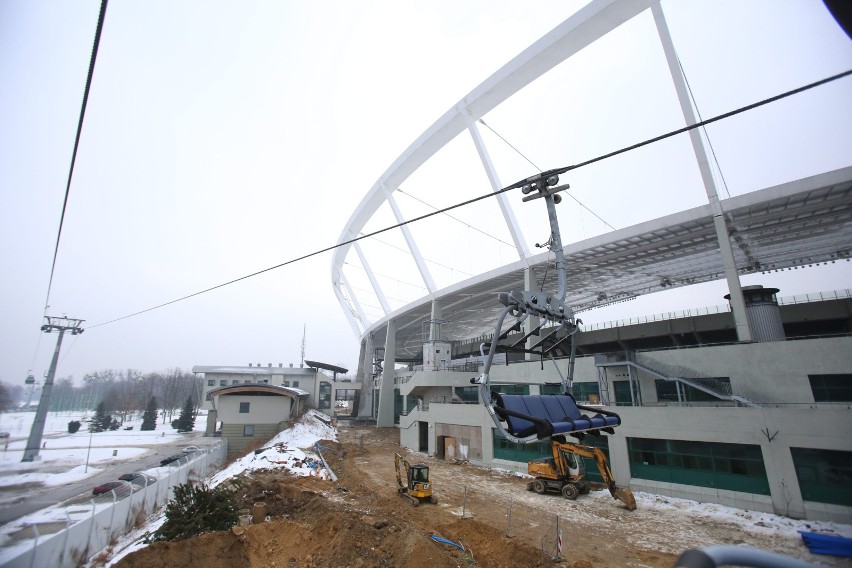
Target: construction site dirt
pixel 483 517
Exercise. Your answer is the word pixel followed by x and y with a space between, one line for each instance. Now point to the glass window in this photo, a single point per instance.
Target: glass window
pixel 325 395
pixel 244 407
pixel 295 384
pixel 286 383
pixel 831 388
pixel 736 467
pixel 511 389
pixel 825 476
pixel 223 382
pixel 211 382
pixel 248 430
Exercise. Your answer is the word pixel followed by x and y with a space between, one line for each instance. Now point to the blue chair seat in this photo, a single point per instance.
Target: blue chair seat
pixel 548 415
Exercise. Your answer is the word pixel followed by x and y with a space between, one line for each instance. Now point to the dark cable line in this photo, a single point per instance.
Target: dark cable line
pixel 94 57
pixel 492 194
pixel 706 134
pixel 583 205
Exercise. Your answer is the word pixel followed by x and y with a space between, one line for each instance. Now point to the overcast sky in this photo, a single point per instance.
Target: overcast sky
pixel 222 138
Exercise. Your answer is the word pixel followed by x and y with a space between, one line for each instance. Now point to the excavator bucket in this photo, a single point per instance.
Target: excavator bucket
pixel 625 495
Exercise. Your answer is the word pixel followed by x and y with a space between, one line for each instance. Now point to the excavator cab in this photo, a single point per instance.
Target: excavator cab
pixel 416 487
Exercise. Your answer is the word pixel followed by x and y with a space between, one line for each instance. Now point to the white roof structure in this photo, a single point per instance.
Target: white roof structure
pixel 677 250
pixel 801 222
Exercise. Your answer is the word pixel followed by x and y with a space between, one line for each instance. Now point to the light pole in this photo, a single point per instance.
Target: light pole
pixel 61 324
pixel 89 451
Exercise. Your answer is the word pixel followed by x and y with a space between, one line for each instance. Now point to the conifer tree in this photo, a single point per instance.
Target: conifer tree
pixel 149 419
pixel 186 420
pixel 102 421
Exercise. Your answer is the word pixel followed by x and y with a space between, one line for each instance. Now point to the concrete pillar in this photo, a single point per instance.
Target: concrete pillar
pixel 384 416
pixel 532 322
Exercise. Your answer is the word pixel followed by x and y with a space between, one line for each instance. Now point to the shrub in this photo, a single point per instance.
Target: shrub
pixel 74 426
pixel 196 509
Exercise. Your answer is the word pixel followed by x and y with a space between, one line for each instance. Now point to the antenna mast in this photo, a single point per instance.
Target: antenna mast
pixel 302 364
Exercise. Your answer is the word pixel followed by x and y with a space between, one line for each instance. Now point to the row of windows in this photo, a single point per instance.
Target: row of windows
pixel 224 382
pixel 824 476
pixel 831 388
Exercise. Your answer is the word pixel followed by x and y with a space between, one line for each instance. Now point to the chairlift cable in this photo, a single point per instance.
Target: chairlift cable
pixel 492 194
pixel 568 193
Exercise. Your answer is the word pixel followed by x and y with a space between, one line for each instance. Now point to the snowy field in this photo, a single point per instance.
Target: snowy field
pixel 64 457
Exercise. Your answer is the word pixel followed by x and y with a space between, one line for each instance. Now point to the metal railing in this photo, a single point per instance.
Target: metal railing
pixel 70 533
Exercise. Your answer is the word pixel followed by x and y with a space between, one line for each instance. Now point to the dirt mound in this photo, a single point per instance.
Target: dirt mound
pixel 361 521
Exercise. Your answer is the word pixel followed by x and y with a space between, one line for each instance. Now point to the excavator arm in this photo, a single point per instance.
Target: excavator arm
pixel 623 494
pixel 401 466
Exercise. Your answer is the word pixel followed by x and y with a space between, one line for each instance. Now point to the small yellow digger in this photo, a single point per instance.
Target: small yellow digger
pixel 416 487
pixel 565 473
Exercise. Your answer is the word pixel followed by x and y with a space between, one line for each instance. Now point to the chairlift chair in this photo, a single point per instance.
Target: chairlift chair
pixel 529 418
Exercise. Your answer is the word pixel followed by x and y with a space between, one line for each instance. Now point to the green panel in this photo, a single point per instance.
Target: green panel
pixel 825 476
pixel 468 394
pixel 397 406
pixel 522 453
pixel 511 389
pixel 622 393
pixel 735 467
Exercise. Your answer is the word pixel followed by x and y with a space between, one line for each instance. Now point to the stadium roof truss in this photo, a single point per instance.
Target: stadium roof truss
pixel 676 250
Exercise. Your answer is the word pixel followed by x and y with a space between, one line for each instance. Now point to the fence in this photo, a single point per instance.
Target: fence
pixel 538 527
pixel 68 534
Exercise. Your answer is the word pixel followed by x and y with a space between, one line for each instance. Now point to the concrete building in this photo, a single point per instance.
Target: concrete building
pixel 748 404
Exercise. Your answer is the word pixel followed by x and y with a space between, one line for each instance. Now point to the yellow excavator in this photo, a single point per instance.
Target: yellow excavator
pixel 416 487
pixel 565 472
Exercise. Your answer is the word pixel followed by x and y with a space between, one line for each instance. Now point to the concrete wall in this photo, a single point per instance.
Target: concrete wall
pixel 238 443
pixel 262 409
pixel 775 374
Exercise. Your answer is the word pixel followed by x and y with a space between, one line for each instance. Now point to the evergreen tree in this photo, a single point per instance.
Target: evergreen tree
pixel 186 420
pixel 149 419
pixel 196 509
pixel 102 421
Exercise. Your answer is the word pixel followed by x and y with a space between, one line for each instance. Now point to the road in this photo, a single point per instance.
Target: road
pixel 20 501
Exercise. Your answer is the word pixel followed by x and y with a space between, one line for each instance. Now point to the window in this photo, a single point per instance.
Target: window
pixel 831 388
pixel 223 382
pixel 248 430
pixel 324 395
pixel 825 476
pixel 244 407
pixel 286 383
pixel 511 389
pixel 667 390
pixel 295 384
pixel 736 467
pixel 211 382
pixel 247 381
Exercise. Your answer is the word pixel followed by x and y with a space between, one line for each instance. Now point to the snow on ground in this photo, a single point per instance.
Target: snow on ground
pixel 289 450
pixel 286 451
pixel 64 457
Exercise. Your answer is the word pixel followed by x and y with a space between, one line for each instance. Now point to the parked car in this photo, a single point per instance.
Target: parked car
pixel 171 459
pixel 191 449
pixel 121 488
pixel 137 478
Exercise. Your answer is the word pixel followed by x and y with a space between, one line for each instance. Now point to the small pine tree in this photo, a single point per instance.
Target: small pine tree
pixel 102 421
pixel 196 509
pixel 149 419
pixel 186 420
pixel 74 426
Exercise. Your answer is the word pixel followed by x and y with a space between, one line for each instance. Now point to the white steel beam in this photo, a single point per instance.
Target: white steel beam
pixel 412 245
pixel 373 282
pixel 494 179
